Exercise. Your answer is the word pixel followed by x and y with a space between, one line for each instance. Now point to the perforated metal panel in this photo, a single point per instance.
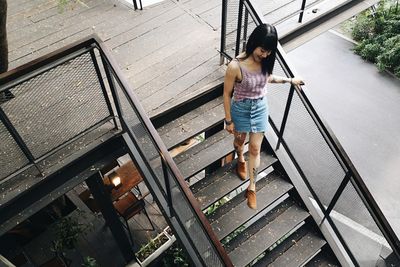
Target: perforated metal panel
pixel 55 106
pixel 11 156
pixel 182 207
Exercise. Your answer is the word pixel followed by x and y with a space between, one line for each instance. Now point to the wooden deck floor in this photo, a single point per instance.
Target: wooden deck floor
pixel 168 51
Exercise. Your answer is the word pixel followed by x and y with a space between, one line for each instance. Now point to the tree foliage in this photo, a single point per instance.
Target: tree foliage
pixel 378 34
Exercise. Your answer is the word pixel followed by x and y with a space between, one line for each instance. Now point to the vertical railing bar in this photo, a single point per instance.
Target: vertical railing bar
pixel 303 6
pixel 342 241
pixel 315 197
pixel 18 139
pixel 337 194
pixel 168 187
pixel 112 86
pixel 102 85
pixel 246 22
pixel 285 116
pixel 223 30
pixel 151 171
pixel 239 28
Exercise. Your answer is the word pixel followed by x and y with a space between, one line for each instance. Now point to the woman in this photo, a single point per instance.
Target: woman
pixel 247 111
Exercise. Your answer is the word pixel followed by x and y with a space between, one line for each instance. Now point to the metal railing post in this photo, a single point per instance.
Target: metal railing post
pixel 337 194
pixel 285 116
pixel 168 187
pixel 223 30
pixel 18 139
pixel 303 6
pixel 103 87
pixel 239 27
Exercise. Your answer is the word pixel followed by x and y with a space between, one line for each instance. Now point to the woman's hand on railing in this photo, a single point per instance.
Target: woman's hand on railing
pixel 297 81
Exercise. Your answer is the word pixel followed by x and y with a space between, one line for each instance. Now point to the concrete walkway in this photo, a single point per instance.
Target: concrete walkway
pixel 361 105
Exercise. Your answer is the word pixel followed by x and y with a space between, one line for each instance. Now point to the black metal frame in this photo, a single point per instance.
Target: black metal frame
pixel 114 75
pixel 35 68
pixel 351 174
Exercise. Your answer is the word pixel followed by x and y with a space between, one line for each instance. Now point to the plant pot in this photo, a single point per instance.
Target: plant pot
pixel 154 248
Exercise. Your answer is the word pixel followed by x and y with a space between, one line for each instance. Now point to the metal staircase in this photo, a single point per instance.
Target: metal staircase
pixel 280 232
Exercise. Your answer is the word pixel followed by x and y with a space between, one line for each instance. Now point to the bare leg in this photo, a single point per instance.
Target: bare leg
pixel 238 144
pixel 254 158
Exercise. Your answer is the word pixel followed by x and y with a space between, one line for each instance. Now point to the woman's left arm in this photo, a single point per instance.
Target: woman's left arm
pixel 280 79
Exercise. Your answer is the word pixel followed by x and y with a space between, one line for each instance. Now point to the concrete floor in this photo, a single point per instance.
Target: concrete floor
pixel 361 105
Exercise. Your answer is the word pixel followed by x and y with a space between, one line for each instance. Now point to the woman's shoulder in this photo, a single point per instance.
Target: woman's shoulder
pixel 233 65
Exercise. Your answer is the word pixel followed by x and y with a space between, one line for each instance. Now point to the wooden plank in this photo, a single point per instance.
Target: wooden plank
pixel 267 236
pixel 236 212
pixel 324 259
pixel 197 158
pixel 169 76
pixel 163 71
pixel 192 123
pixel 223 181
pixel 282 246
pixel 48 32
pixel 301 251
pixel 182 84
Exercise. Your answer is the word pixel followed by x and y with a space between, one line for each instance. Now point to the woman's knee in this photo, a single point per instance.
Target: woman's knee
pixel 254 149
pixel 239 139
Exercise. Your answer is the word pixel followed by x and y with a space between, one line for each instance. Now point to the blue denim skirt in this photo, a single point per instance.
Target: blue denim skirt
pixel 250 115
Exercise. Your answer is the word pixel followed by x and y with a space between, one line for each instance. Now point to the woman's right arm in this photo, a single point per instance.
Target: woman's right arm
pixel 229 81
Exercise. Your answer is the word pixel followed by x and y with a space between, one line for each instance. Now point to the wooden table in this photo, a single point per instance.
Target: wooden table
pixel 130 178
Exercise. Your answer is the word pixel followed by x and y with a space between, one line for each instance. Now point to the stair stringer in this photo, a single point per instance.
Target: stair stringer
pixel 304 194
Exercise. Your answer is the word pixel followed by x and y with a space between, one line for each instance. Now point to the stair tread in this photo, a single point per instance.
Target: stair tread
pixel 301 251
pixel 266 236
pixel 198 157
pixel 192 123
pixel 236 212
pixel 296 250
pixel 324 259
pixel 223 181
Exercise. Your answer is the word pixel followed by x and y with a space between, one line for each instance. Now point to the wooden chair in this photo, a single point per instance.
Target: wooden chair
pixel 128 206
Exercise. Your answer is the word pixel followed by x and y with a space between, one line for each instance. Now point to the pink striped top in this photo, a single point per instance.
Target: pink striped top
pixel 252 86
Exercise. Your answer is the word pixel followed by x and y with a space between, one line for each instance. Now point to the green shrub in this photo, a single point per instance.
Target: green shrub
pixel 378 34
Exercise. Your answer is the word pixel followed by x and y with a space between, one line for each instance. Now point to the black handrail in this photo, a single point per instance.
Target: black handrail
pixel 165 156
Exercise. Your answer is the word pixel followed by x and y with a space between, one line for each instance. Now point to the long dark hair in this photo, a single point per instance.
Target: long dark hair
pixel 264 35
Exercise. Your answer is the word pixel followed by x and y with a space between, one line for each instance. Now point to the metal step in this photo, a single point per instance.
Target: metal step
pixel 300 247
pixel 325 258
pixel 267 231
pixel 192 123
pixel 223 181
pixel 198 157
pixel 236 212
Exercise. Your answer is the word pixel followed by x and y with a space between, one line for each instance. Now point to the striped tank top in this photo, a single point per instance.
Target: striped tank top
pixel 252 86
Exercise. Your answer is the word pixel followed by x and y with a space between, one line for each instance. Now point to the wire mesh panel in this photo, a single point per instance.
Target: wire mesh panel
pixel 11 156
pixel 57 105
pixel 140 134
pixel 312 153
pixel 358 228
pixel 192 225
pixel 183 210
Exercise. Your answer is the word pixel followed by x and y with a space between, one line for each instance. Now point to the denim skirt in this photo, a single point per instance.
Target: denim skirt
pixel 250 115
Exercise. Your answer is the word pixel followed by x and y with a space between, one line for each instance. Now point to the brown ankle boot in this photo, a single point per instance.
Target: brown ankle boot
pixel 251 199
pixel 241 170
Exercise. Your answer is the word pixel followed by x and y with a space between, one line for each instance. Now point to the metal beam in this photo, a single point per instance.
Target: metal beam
pixel 59 183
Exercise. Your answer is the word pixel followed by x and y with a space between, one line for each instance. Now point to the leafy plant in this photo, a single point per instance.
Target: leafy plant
pixel 147 249
pixel 378 34
pixel 175 256
pixel 68 231
pixel 89 262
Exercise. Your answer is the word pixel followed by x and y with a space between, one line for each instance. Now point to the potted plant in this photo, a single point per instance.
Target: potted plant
pixel 155 247
pixel 67 231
